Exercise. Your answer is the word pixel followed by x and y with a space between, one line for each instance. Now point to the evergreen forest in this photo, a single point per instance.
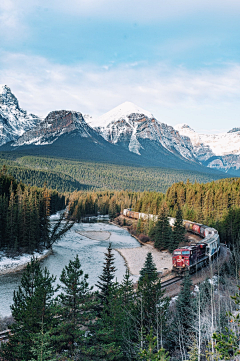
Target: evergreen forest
pixel 24 216
pixel 67 175
pixel 120 321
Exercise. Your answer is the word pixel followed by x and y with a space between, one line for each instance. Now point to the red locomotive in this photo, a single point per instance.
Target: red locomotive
pixel 190 258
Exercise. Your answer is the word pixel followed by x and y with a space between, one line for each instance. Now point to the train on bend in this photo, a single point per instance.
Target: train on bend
pixel 195 256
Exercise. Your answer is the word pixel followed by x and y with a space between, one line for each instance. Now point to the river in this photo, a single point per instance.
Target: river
pixel 90 251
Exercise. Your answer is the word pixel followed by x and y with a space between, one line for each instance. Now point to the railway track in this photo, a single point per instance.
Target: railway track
pixel 170 282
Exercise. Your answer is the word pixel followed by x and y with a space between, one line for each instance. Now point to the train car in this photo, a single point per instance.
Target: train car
pixel 198 254
pixel 194 256
pixel 190 258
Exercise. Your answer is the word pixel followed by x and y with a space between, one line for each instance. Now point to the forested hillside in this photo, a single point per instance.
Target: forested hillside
pixel 67 175
pixel 215 204
pixel 24 215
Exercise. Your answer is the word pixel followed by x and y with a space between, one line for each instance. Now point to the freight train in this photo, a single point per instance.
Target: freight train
pixel 193 257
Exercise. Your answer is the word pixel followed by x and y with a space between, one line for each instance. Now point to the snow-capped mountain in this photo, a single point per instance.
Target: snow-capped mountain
pixel 220 151
pixel 53 126
pixel 14 121
pixel 134 128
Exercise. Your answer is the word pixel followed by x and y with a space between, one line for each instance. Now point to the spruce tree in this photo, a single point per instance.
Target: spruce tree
pixel 71 306
pixel 181 329
pixel 151 304
pixel 178 232
pixel 32 306
pixel 106 278
pixel 104 342
pixel 162 231
pixel 149 269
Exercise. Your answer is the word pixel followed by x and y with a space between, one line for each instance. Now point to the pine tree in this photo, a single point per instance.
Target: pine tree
pixel 42 349
pixel 183 319
pixel 105 340
pixel 178 232
pixel 151 304
pixel 149 269
pixel 106 278
pixel 32 306
pixel 162 231
pixel 71 306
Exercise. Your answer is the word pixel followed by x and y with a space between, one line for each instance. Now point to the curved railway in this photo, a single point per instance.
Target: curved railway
pixel 195 256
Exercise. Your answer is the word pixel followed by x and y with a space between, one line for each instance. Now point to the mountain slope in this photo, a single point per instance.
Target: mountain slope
pixel 14 121
pixel 138 130
pixel 217 151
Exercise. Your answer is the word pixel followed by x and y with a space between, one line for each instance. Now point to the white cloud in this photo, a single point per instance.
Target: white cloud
pixel 14 14
pixel 141 10
pixel 206 99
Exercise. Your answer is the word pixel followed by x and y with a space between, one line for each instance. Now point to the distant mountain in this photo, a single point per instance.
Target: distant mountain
pixel 14 121
pixel 138 131
pixel 126 135
pixel 216 151
pixel 53 126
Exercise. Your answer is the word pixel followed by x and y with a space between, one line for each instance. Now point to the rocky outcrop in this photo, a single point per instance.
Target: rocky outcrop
pixel 132 129
pixel 218 151
pixel 53 126
pixel 14 121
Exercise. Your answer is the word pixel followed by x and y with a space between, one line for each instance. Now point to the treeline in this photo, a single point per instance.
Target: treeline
pixel 68 174
pixel 83 204
pixel 119 321
pixel 24 215
pixel 53 180
pixel 215 204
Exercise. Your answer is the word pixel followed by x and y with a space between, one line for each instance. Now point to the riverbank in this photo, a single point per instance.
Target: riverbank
pixel 135 257
pixel 12 265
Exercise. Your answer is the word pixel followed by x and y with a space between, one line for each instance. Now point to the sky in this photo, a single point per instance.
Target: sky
pixel 180 60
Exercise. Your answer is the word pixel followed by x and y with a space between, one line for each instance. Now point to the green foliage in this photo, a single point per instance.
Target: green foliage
pixel 178 232
pixel 151 304
pixel 161 233
pixel 105 282
pixel 24 216
pixel 150 354
pixel 71 307
pixel 41 349
pixel 149 270
pixel 32 307
pixel 181 327
pixel 67 175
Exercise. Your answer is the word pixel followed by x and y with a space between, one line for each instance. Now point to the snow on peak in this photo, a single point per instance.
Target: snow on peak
pixel 183 126
pixel 213 144
pixel 4 89
pixel 122 111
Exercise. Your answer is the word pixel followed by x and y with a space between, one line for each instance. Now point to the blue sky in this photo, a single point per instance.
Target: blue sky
pixel 178 59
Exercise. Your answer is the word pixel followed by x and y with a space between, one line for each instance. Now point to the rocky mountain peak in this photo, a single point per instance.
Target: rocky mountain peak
pixel 7 98
pixel 234 130
pixel 126 110
pixel 14 121
pixel 56 123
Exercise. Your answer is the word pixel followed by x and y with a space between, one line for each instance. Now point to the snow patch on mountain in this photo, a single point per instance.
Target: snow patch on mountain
pixel 216 144
pixel 122 111
pixel 14 121
pixel 53 126
pixel 131 126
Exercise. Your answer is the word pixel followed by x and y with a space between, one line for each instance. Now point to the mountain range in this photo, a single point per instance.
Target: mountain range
pixel 125 135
